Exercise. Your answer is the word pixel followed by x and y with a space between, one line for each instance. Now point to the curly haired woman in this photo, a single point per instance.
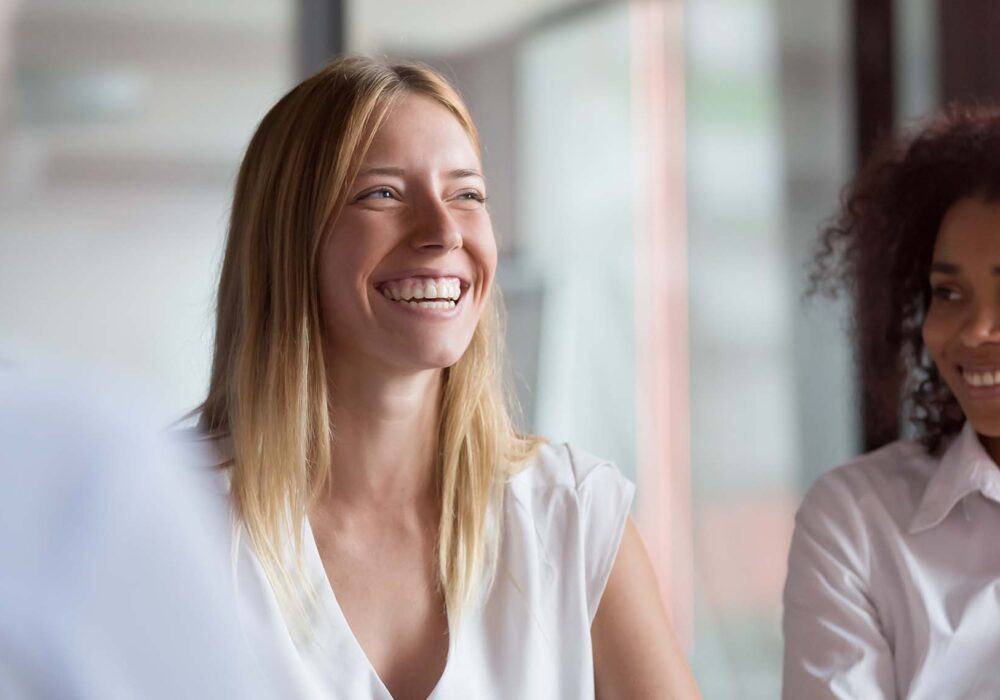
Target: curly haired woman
pixel 893 585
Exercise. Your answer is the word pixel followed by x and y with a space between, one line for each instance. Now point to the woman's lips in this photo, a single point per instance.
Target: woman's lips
pixel 981 380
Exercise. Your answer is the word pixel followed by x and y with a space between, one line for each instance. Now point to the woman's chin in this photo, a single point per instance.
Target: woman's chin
pixel 431 358
pixel 986 425
pixel 983 413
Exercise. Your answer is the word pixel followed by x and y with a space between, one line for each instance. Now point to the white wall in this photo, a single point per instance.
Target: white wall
pixel 125 126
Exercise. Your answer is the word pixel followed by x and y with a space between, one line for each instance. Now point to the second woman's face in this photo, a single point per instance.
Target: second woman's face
pixel 406 269
pixel 962 326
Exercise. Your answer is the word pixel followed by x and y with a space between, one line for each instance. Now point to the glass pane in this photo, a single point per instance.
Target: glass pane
pixel 575 197
pixel 771 378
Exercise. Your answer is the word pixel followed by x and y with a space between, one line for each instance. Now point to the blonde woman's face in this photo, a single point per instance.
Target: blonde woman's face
pixel 962 326
pixel 406 269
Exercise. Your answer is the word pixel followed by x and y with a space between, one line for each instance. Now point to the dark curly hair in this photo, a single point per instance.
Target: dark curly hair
pixel 879 250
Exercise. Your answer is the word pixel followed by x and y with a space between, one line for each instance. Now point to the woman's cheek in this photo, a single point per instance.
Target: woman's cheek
pixel 933 337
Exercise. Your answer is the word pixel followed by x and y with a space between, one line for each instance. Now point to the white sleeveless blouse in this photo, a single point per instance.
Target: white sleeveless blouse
pixel 528 637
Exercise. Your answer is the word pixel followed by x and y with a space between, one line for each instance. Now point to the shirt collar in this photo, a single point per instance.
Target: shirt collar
pixel 965 468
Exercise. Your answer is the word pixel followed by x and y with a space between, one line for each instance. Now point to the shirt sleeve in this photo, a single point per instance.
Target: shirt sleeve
pixel 605 499
pixel 834 644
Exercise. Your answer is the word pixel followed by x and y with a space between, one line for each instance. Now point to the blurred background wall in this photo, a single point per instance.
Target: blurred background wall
pixel 658 171
pixel 124 122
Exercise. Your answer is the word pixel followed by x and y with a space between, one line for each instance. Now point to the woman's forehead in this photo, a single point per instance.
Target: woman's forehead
pixel 420 129
pixel 970 232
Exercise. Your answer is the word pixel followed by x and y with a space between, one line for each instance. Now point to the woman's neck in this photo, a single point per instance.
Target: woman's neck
pixel 385 437
pixel 992 447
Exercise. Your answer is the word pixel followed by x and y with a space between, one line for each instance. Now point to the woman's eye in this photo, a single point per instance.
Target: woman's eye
pixel 945 293
pixel 380 193
pixel 472 196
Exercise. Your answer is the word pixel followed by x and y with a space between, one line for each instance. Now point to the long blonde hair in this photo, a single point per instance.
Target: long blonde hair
pixel 268 389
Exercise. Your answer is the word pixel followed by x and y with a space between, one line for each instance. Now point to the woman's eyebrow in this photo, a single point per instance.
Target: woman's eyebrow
pixel 383 170
pixel 465 172
pixel 953 269
pixel 945 268
pixel 400 172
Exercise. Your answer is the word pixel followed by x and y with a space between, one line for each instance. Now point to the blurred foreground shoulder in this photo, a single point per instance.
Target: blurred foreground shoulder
pixel 124 594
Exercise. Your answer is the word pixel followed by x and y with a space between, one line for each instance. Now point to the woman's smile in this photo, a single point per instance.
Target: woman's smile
pixel 426 297
pixel 981 381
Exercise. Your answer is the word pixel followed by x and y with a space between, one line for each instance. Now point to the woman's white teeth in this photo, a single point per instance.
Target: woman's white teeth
pixel 436 291
pixel 431 304
pixel 973 378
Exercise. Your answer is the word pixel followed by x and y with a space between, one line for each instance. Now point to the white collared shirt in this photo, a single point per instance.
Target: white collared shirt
pixel 893 586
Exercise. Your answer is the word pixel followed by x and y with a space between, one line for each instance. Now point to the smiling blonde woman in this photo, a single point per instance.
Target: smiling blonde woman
pixel 403 540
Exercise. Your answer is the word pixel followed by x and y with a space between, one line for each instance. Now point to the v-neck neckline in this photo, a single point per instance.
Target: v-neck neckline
pixel 314 563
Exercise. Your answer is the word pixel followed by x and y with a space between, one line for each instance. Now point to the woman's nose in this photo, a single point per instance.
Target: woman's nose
pixel 983 326
pixel 436 228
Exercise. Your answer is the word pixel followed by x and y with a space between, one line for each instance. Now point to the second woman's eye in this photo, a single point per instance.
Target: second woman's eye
pixel 946 293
